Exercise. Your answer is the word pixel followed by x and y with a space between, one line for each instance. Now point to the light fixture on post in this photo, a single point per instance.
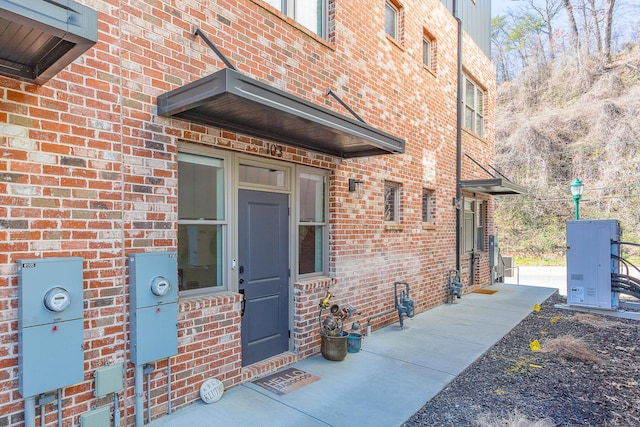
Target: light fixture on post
pixel 355 185
pixel 576 188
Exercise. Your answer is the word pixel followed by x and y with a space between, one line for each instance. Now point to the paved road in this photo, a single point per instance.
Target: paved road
pixel 547 276
pixel 550 277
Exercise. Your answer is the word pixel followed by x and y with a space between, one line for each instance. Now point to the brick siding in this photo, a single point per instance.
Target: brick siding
pixel 88 169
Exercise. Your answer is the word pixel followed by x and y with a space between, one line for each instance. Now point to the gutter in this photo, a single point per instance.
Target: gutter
pixel 459 118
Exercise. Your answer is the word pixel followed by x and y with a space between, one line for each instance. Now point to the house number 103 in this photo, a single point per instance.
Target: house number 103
pixel 274 149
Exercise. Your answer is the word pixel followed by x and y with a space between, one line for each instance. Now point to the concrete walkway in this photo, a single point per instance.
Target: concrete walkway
pixel 391 378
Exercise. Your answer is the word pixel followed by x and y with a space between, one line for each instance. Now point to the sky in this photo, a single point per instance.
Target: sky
pixel 500 6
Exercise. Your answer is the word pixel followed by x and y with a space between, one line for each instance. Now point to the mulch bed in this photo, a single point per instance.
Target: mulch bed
pixel 586 373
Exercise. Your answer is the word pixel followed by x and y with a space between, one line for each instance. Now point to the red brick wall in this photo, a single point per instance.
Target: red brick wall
pixel 88 169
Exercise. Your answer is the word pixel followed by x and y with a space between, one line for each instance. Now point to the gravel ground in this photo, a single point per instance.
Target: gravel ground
pixel 586 373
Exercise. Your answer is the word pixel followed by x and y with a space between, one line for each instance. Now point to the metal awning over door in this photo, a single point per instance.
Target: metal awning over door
pixel 232 101
pixel 493 186
pixel 38 38
pixel 497 185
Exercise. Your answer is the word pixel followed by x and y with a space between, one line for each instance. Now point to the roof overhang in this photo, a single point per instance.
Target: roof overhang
pixel 232 101
pixel 38 38
pixel 493 186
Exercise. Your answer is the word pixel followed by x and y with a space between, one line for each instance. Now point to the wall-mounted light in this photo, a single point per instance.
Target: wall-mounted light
pixel 355 185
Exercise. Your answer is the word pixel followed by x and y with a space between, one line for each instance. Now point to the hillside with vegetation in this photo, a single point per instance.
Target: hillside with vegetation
pixel 568 113
pixel 561 122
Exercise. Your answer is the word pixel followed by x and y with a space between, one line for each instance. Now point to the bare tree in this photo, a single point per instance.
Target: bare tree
pixel 608 23
pixel 586 28
pixel 499 53
pixel 572 24
pixel 596 25
pixel 547 11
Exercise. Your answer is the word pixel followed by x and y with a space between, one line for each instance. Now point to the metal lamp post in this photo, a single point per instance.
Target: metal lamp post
pixel 576 188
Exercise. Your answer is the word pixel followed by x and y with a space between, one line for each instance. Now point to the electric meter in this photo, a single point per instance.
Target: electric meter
pixel 57 299
pixel 160 286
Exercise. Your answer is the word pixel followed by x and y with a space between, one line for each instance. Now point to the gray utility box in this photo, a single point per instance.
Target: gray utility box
pixel 590 263
pixel 50 324
pixel 153 298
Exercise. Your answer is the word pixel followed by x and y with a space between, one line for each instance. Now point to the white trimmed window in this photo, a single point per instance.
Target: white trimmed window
pixel 427 51
pixel 473 107
pixel 474 227
pixel 391 19
pixel 312 221
pixel 311 14
pixel 202 222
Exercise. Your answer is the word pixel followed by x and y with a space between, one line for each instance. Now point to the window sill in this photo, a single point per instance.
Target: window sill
pixel 192 302
pixel 395 41
pixel 475 135
pixel 293 23
pixel 393 228
pixel 428 226
pixel 431 70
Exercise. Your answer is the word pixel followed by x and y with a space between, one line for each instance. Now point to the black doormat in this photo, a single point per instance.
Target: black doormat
pixel 285 381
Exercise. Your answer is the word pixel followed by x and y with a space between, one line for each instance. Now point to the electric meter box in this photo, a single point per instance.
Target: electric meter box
pixel 153 298
pixel 50 324
pixel 590 262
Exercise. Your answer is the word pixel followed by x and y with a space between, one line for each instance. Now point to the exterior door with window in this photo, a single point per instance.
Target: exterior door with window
pixel 263 273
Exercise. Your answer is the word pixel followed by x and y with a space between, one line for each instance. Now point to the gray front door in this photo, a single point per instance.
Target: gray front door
pixel 263 273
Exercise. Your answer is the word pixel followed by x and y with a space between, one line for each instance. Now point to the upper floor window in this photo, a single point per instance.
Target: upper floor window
pixel 426 51
pixel 311 14
pixel 393 19
pixel 473 107
pixel 429 50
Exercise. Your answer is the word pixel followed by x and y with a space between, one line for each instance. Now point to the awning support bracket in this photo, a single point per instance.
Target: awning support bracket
pixel 499 173
pixel 484 169
pixel 479 165
pixel 214 48
pixel 344 104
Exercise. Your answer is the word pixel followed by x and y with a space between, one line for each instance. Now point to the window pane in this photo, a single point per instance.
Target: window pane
pixel 480 102
pixel 309 13
pixel 479 126
pixel 312 195
pixel 469 230
pixel 390 203
pixel 263 176
pixel 427 206
pixel 468 119
pixel 199 256
pixel 391 20
pixel 310 249
pixel 426 52
pixel 481 221
pixel 469 93
pixel 200 187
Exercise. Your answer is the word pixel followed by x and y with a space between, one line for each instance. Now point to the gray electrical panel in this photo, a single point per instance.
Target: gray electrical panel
pixel 50 324
pixel 494 251
pixel 590 262
pixel 153 294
